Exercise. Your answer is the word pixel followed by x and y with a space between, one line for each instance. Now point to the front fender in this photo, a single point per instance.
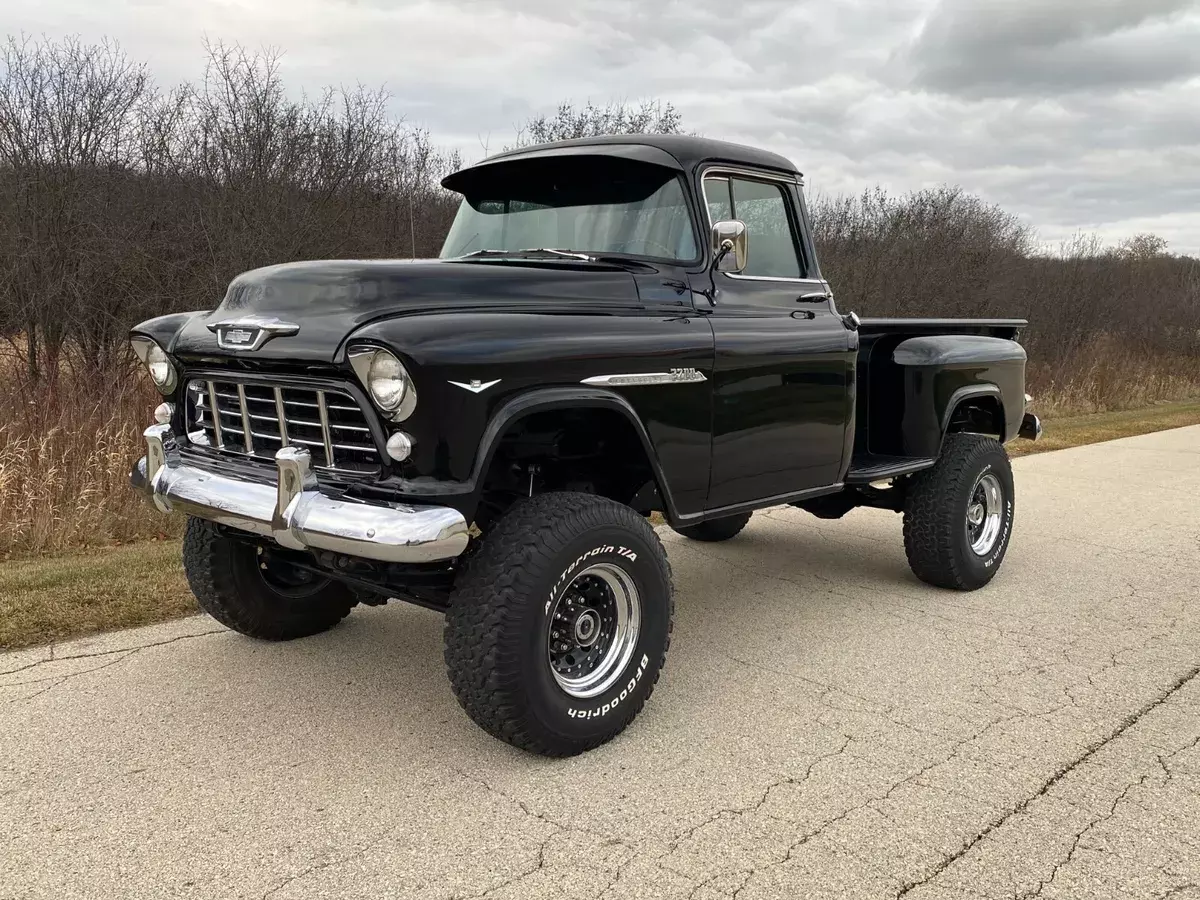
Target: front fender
pixel 572 397
pixel 465 494
pixel 163 330
pixel 472 371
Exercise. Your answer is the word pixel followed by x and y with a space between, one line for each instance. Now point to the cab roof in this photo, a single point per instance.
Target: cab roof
pixel 674 151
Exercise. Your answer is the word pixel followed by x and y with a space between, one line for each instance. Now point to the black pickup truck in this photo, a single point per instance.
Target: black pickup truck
pixel 617 326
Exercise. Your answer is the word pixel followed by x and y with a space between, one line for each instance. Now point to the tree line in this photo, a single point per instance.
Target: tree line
pixel 1109 326
pixel 120 200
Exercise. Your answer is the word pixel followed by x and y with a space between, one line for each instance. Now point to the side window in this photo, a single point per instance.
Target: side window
pixel 772 246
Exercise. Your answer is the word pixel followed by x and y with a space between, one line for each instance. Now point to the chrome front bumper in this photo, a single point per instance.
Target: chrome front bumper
pixel 293 511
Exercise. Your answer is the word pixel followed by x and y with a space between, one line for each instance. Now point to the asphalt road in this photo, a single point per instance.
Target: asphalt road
pixel 826 726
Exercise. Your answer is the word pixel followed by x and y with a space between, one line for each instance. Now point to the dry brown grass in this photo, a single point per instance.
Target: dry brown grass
pixel 1105 375
pixel 65 455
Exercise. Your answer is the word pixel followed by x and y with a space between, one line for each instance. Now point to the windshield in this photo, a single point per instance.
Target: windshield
pixel 587 205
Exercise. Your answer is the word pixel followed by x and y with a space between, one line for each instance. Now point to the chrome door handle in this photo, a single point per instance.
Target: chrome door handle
pixel 814 297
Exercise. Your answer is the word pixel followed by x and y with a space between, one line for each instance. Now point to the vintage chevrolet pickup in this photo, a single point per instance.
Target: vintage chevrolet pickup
pixel 616 326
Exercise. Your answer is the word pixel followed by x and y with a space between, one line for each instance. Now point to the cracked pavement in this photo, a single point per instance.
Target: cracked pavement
pixel 826 726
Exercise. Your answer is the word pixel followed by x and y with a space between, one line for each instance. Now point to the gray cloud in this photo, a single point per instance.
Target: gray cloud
pixel 1002 47
pixel 1074 114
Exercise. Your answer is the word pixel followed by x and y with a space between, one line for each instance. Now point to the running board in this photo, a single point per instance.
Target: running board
pixel 865 469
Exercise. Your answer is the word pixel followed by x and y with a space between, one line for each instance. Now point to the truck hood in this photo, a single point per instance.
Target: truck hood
pixel 329 300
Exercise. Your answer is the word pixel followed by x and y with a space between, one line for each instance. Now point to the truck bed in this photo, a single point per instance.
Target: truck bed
pixel 882 403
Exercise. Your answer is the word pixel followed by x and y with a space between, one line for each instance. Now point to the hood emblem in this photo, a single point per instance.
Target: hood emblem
pixel 249 332
pixel 475 386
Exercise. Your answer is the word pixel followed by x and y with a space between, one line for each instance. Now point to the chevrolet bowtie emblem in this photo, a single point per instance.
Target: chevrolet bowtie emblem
pixel 249 332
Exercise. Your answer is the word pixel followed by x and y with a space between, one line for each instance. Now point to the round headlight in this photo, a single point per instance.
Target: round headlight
pixel 387 381
pixel 161 370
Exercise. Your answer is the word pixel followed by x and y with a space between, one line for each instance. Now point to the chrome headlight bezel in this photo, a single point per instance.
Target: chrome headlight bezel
pixel 158 363
pixel 375 366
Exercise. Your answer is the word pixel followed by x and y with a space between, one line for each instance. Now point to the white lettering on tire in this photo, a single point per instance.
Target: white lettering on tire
pixel 608 707
pixel 1003 542
pixel 595 551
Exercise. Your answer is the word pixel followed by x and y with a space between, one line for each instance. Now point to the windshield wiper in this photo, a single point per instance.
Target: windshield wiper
pixel 626 261
pixel 533 253
pixel 551 251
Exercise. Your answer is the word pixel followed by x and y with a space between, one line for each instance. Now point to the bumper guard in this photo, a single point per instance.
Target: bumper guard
pixel 293 511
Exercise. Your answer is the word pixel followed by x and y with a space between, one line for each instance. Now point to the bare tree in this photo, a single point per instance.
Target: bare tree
pixel 1142 247
pixel 119 201
pixel 68 117
pixel 590 120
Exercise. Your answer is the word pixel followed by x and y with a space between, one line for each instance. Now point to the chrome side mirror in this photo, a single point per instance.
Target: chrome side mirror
pixel 730 244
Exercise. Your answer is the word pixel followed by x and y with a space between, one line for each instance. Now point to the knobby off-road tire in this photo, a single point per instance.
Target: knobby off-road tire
pixel 230 585
pixel 715 529
pixel 938 527
pixel 549 558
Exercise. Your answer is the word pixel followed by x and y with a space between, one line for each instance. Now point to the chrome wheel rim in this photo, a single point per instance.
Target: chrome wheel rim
pixel 985 512
pixel 594 628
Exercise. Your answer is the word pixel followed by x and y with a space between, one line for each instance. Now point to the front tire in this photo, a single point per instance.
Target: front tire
pixel 559 625
pixel 958 515
pixel 249 592
pixel 715 530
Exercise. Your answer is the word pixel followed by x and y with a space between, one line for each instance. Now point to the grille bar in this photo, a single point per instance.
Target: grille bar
pixel 279 411
pixel 216 419
pixel 256 420
pixel 247 431
pixel 324 413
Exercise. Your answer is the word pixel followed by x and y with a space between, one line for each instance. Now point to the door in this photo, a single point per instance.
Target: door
pixel 783 377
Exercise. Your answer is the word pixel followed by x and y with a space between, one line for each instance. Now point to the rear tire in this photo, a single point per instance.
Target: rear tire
pixel 715 529
pixel 958 515
pixel 559 625
pixel 259 598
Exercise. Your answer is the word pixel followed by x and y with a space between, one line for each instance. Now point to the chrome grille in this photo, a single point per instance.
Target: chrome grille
pixel 256 420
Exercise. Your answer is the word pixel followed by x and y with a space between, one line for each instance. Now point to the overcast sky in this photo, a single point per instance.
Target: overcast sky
pixel 1074 114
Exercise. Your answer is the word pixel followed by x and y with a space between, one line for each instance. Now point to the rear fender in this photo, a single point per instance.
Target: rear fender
pixel 942 373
